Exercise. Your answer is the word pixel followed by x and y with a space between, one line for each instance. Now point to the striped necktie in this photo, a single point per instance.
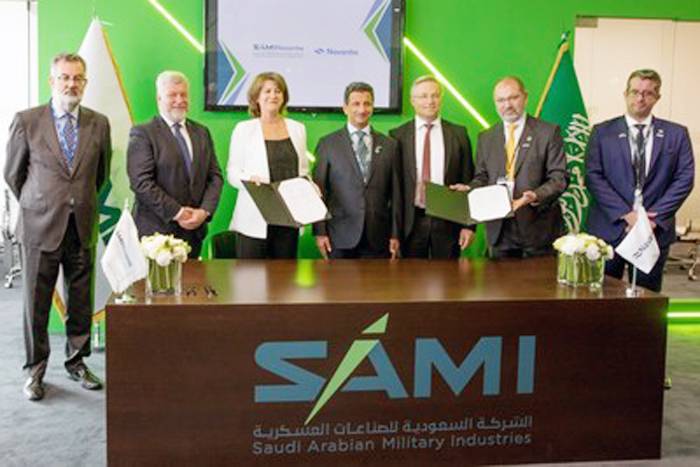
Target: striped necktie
pixel 70 140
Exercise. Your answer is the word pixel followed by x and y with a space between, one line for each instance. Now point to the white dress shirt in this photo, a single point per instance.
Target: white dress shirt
pixel 437 150
pixel 183 131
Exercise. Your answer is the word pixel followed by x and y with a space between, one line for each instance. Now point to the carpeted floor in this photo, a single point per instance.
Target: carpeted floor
pixel 67 428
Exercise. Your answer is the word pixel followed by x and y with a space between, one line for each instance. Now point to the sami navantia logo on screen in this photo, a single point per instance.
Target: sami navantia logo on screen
pixel 305 386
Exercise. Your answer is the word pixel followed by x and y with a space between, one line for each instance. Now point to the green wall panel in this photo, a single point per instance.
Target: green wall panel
pixel 473 43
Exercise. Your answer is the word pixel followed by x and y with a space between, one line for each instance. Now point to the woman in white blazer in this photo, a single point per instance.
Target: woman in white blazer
pixel 267 148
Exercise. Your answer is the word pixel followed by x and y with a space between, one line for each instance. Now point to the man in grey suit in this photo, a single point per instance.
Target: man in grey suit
pixel 526 154
pixel 58 159
pixel 432 150
pixel 357 172
pixel 173 169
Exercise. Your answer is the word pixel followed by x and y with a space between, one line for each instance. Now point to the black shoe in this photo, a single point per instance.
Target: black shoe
pixel 34 388
pixel 87 378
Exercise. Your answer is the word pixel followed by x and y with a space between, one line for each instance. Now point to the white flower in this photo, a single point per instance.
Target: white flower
pixel 165 248
pixel 583 244
pixel 163 257
pixel 592 252
pixel 180 253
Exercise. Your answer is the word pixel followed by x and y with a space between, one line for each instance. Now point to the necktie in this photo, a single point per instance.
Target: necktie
pixel 510 152
pixel 640 160
pixel 69 139
pixel 425 170
pixel 184 150
pixel 362 153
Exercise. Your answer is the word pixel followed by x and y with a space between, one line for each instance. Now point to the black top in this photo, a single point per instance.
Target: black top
pixel 282 159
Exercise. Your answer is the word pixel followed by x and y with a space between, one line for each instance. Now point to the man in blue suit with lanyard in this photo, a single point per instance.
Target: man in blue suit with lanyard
pixel 638 152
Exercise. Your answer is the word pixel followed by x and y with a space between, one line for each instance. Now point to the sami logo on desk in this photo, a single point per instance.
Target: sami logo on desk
pixel 429 353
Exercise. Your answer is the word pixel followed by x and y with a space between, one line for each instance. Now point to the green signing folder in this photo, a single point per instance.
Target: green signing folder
pixel 276 210
pixel 447 204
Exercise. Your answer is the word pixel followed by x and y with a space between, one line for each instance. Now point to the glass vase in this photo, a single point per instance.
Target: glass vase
pixel 578 270
pixel 164 280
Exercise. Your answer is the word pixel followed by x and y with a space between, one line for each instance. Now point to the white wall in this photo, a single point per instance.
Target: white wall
pixel 605 55
pixel 18 83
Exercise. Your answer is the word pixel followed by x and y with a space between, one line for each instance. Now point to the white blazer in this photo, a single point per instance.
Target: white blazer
pixel 247 157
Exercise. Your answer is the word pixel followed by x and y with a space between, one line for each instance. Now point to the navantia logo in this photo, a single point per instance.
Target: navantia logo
pixel 428 354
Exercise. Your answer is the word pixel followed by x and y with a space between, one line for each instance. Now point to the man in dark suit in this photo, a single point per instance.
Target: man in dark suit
pixel 432 150
pixel 357 172
pixel 638 154
pixel 58 159
pixel 173 169
pixel 526 154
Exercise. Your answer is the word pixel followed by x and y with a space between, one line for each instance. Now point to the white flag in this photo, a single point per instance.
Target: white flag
pixel 123 262
pixel 639 247
pixel 105 94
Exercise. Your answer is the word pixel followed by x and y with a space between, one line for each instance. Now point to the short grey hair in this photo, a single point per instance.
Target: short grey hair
pixel 168 77
pixel 425 79
pixel 66 57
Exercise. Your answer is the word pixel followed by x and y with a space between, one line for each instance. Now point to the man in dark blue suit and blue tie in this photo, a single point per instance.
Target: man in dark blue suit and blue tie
pixel 638 152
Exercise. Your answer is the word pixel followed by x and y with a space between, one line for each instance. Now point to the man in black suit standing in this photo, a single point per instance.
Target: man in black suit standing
pixel 527 155
pixel 432 150
pixel 357 172
pixel 173 169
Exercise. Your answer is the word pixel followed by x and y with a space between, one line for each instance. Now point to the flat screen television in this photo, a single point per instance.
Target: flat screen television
pixel 319 46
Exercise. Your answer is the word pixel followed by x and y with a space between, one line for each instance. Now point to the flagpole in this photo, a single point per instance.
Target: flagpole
pixel 632 290
pixel 563 47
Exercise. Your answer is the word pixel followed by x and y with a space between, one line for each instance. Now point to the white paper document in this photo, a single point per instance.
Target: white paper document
pixel 302 200
pixel 489 203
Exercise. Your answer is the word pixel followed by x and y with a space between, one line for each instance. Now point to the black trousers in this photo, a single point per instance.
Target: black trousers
pixel 40 271
pixel 431 237
pixel 510 244
pixel 652 281
pixel 363 249
pixel 281 243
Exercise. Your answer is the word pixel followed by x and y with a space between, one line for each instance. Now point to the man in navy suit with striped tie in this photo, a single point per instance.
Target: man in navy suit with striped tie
pixel 638 153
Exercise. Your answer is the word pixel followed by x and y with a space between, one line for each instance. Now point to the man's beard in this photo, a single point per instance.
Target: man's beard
pixel 67 101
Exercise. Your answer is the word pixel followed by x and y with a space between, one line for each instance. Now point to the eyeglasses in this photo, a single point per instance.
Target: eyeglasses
pixel 426 96
pixel 509 99
pixel 643 94
pixel 63 79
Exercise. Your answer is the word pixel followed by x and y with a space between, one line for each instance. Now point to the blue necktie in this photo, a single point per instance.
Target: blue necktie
pixel 69 139
pixel 184 150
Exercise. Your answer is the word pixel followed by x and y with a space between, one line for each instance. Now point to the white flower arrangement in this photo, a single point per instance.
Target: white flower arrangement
pixel 583 244
pixel 163 249
pixel 581 259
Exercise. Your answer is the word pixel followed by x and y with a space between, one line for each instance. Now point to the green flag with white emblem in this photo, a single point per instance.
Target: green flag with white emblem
pixel 562 103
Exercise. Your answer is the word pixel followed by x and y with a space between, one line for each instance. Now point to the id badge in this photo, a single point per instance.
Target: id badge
pixel 508 183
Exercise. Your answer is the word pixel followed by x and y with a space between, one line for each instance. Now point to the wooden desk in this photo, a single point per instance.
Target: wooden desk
pixel 478 362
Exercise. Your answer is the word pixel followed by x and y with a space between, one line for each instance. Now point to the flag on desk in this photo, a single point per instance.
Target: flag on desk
pixel 562 103
pixel 639 247
pixel 105 94
pixel 123 261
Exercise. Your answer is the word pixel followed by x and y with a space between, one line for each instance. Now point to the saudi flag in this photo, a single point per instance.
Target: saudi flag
pixel 105 94
pixel 561 103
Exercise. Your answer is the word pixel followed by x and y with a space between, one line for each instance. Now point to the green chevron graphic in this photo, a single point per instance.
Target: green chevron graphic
pixel 359 349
